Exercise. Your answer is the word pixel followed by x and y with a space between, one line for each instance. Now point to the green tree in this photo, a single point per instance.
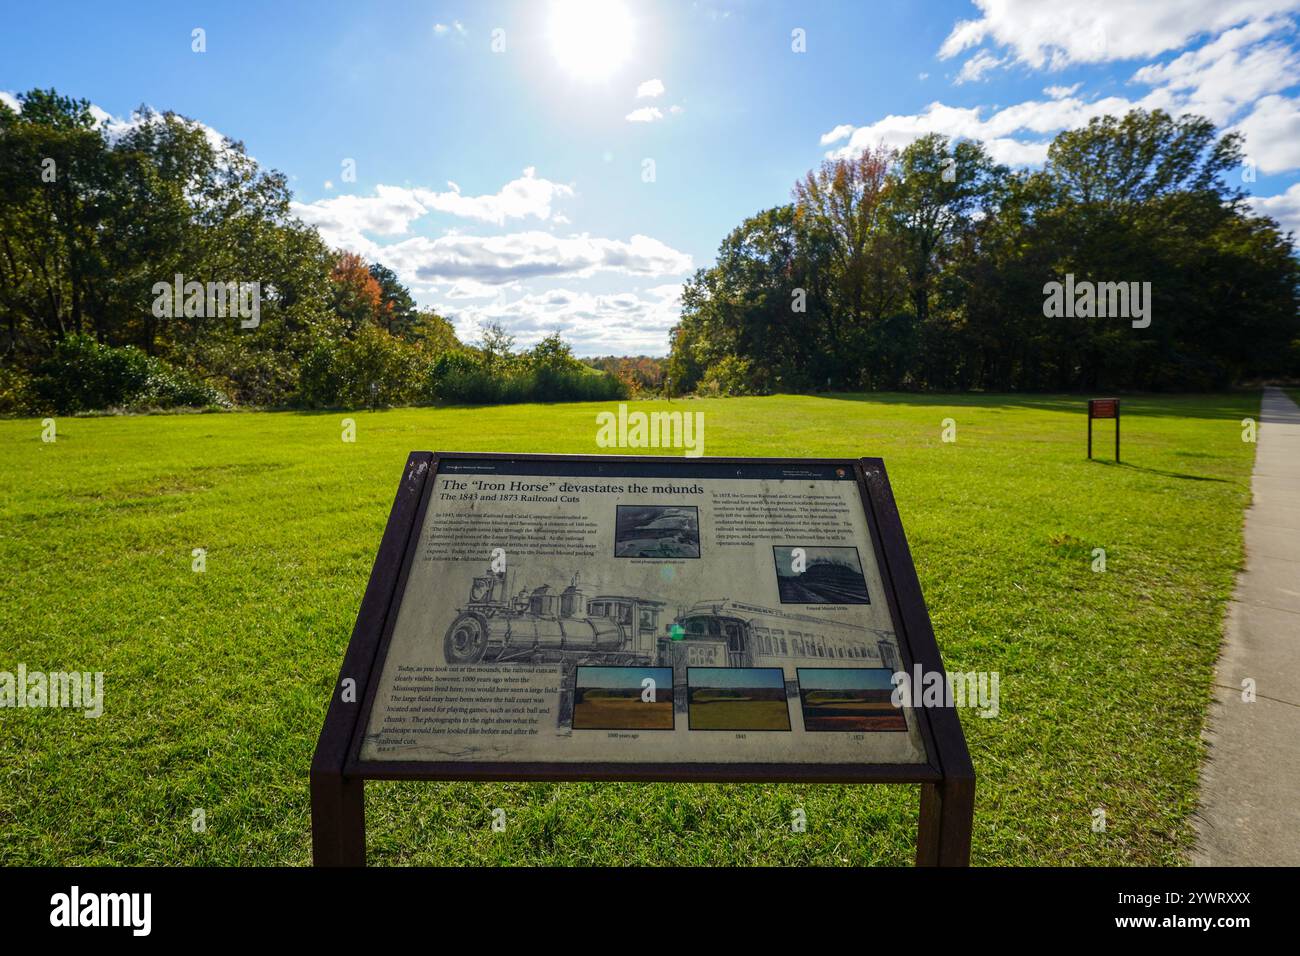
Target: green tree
pixel 397 308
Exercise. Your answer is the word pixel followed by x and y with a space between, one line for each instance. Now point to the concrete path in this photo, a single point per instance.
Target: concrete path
pixel 1250 784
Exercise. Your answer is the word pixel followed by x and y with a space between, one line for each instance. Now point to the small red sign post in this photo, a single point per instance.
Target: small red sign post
pixel 1103 408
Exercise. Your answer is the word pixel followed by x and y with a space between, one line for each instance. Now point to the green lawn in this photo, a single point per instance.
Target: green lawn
pixel 216 683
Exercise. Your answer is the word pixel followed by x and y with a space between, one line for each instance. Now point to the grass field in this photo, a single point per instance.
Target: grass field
pixel 216 683
pixel 722 713
pixel 623 713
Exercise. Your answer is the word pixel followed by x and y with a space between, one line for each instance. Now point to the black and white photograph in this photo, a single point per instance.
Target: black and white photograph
pixel 818 575
pixel 657 531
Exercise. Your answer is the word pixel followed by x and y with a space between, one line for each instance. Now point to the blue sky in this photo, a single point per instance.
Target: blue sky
pixel 846 678
pixel 744 677
pixel 501 149
pixel 623 677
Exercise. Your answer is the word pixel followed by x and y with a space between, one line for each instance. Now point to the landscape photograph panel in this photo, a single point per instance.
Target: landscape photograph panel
pixel 614 698
pixel 852 699
pixel 737 698
pixel 656 531
pixel 810 575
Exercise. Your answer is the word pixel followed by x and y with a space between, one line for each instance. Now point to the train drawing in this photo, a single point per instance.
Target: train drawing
pixel 542 626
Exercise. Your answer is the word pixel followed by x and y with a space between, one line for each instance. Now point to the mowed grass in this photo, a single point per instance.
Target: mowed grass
pixel 216 683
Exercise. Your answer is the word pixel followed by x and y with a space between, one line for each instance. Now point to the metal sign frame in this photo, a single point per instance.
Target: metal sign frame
pixel 338 775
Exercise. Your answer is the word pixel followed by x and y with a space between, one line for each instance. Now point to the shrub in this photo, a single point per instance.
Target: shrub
pixel 252 373
pixel 319 381
pixel 463 376
pixel 83 375
pixel 171 387
pixel 730 375
pixel 374 369
pixel 15 391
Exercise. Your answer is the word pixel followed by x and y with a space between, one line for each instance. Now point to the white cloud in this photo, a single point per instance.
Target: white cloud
pixel 513 257
pixel 517 199
pixel 964 122
pixel 343 220
pixel 1054 35
pixel 11 101
pixel 650 89
pixel 1285 208
pixel 1231 72
pixel 975 68
pixel 443 29
pixel 621 323
pixel 1235 76
pixel 646 114
pixel 114 128
pixel 1272 132
pixel 837 134
pixel 1061 92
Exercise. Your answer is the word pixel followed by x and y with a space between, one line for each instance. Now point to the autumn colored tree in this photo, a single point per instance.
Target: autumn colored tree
pixel 841 207
pixel 357 296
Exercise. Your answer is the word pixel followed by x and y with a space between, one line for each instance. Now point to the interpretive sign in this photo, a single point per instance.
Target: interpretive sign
pixel 1103 408
pixel 539 617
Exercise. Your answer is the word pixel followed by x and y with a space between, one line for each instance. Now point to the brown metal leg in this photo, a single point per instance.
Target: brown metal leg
pixel 947 815
pixel 927 831
pixel 338 820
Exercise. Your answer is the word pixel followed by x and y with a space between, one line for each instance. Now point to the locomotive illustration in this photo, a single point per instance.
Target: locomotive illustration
pixel 541 626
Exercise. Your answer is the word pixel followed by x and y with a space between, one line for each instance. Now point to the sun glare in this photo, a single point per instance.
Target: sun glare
pixel 591 38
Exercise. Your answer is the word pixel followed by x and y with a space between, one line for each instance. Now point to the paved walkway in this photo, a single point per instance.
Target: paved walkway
pixel 1250 784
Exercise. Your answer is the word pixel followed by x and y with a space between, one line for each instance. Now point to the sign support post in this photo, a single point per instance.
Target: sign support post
pixel 1103 408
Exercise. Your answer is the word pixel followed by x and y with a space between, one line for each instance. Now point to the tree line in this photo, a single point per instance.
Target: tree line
pixel 95 221
pixel 932 268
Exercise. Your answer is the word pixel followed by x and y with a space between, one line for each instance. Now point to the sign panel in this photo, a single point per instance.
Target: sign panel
pixel 579 611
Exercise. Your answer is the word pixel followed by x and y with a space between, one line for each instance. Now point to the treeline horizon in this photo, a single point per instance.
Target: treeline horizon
pixel 92 225
pixel 921 269
pixel 929 268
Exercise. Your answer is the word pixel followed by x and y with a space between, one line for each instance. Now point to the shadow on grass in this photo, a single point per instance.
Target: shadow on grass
pixel 1221 405
pixel 1159 471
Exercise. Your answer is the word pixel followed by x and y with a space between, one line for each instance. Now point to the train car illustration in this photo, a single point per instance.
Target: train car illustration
pixel 756 636
pixel 726 633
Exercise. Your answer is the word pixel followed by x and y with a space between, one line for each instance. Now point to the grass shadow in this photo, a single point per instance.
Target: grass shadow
pixel 1219 405
pixel 1158 471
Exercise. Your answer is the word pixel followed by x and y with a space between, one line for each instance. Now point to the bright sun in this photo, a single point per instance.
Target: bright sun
pixel 591 38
